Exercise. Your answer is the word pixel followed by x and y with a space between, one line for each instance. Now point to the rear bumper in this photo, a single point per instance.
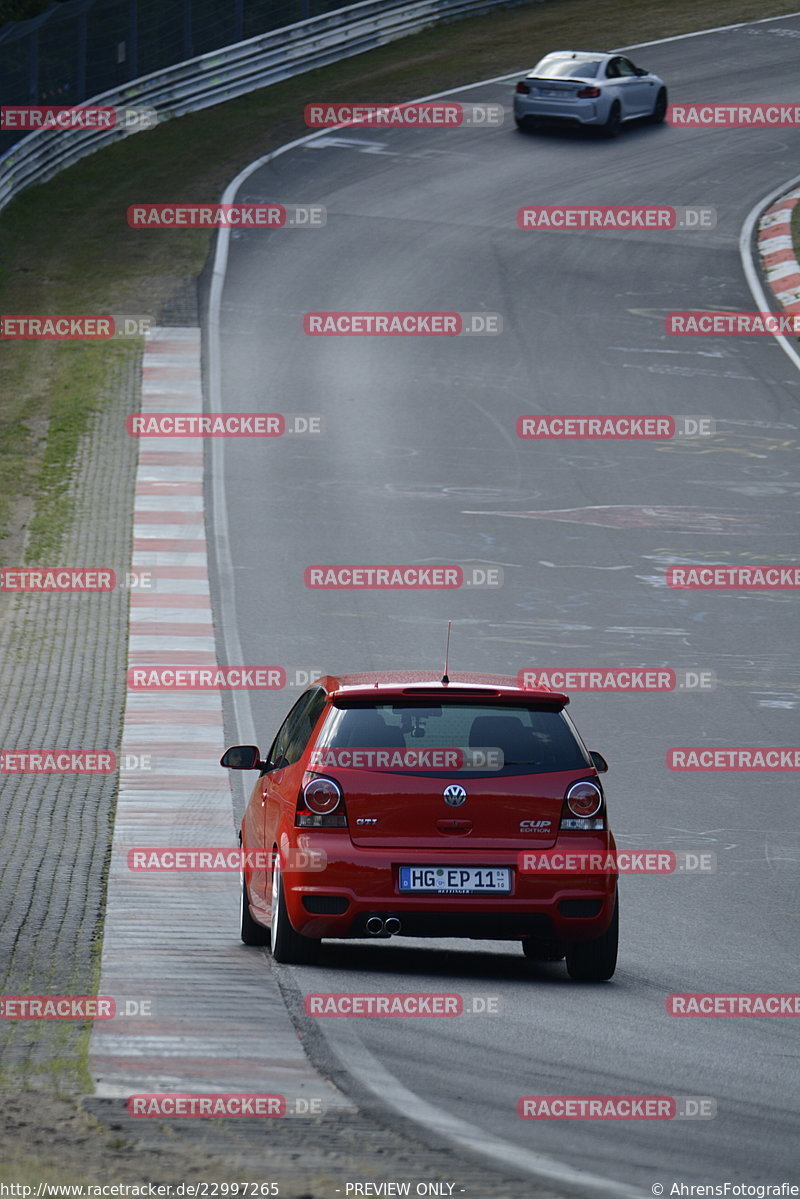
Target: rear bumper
pixel 358 883
pixel 576 112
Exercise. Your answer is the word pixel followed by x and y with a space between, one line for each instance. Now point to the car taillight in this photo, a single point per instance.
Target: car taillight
pixel 523 88
pixel 588 93
pixel 583 807
pixel 320 803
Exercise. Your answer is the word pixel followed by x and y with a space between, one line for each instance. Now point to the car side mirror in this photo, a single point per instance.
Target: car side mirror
pixel 242 757
pixel 598 761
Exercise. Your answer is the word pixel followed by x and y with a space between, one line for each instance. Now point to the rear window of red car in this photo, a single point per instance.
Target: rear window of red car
pixel 532 740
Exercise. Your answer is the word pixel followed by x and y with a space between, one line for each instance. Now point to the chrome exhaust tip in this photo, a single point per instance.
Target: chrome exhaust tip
pixel 392 925
pixel 374 925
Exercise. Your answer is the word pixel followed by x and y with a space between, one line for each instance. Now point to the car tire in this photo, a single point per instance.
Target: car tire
pixel 613 122
pixel 595 961
pixel 542 951
pixel 252 932
pixel 288 946
pixel 660 107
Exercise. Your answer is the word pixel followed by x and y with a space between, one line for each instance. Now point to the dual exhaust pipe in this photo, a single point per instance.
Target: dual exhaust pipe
pixel 377 926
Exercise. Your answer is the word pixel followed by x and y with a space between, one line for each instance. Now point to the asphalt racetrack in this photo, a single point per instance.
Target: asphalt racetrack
pixel 420 463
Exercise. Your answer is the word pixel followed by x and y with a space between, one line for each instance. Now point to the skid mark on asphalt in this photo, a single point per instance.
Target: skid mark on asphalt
pixel 651 350
pixel 686 372
pixel 579 566
pixel 635 516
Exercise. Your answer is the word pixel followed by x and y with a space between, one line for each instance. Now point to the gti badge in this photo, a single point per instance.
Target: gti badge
pixel 454 795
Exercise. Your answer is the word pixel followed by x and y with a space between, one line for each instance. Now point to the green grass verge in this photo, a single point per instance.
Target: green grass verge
pixel 795 229
pixel 65 247
pixel 85 372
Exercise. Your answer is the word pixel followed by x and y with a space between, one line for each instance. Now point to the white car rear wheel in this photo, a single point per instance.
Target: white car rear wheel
pixel 613 120
pixel 660 107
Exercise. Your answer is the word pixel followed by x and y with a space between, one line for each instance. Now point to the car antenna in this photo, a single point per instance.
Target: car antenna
pixel 445 679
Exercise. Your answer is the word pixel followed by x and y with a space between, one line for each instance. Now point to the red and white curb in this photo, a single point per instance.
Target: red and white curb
pixel 171 944
pixel 778 258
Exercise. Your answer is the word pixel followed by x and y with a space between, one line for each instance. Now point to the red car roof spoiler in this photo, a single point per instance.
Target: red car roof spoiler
pixel 542 699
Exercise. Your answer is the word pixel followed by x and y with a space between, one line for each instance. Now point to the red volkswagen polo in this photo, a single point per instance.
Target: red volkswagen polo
pixel 396 805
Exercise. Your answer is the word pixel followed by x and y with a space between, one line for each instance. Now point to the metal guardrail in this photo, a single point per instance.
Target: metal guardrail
pixel 232 71
pixel 77 48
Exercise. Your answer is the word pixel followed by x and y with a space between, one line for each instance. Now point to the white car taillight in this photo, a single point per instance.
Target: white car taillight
pixel 320 803
pixel 523 88
pixel 583 806
pixel 588 93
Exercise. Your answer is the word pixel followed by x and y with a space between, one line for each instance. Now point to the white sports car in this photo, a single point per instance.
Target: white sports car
pixel 588 89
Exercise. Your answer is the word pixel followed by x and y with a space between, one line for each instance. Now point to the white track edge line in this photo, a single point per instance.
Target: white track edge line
pixel 357 1059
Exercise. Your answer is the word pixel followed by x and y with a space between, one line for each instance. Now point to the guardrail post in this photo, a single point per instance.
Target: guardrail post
pixel 132 55
pixel 238 21
pixel 187 28
pixel 33 66
pixel 80 64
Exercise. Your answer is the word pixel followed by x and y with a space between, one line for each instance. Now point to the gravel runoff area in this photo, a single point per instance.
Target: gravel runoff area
pixel 62 674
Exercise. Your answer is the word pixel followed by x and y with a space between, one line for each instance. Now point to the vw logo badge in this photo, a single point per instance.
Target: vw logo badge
pixel 454 795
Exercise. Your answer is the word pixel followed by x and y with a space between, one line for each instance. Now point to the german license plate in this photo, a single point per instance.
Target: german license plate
pixel 456 880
